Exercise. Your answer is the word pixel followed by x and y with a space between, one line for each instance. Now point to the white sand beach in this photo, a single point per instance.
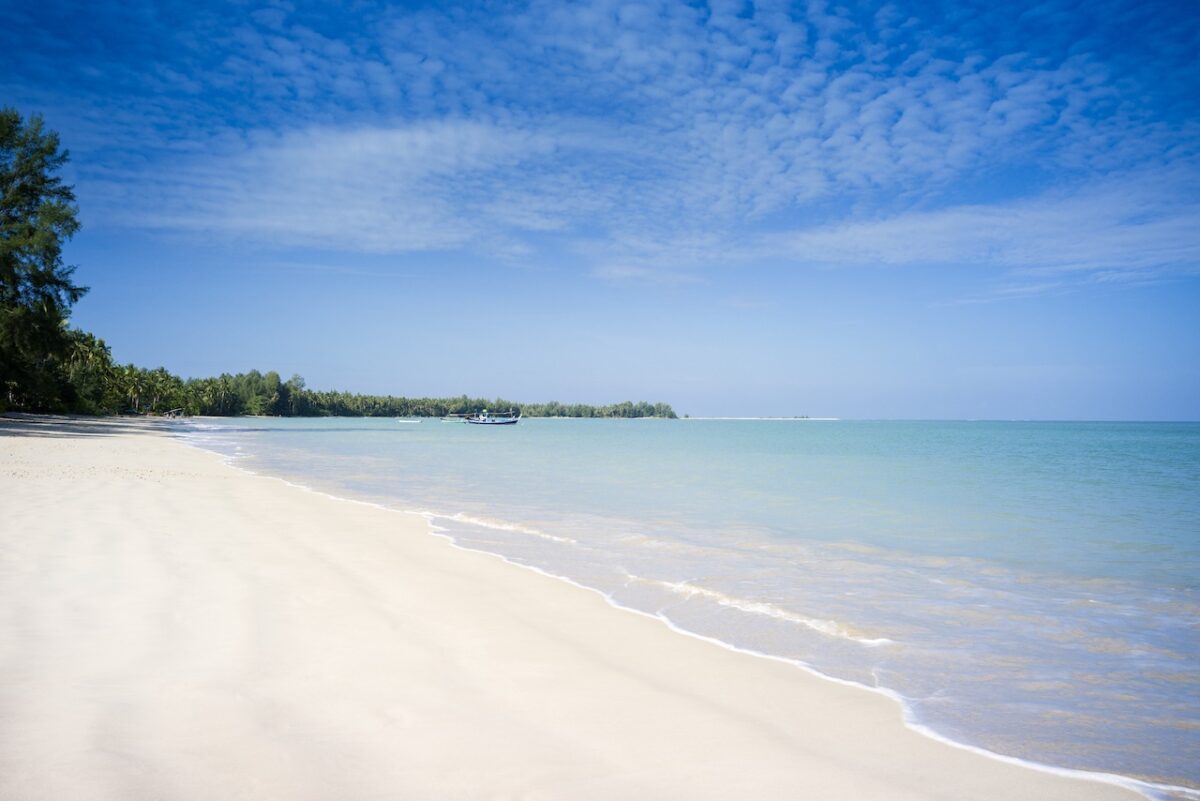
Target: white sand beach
pixel 173 628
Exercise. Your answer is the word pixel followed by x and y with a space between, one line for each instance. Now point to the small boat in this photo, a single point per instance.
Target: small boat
pixel 484 418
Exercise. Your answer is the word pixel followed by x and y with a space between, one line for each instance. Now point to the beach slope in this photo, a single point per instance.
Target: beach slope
pixel 173 628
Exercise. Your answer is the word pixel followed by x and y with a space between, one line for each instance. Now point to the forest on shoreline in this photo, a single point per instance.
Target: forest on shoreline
pixel 94 385
pixel 48 366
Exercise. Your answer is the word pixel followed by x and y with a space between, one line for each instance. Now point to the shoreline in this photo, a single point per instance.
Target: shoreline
pixel 763 684
pixel 1144 788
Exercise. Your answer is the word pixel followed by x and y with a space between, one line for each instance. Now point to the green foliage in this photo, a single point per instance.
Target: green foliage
pixel 257 393
pixel 90 375
pixel 95 385
pixel 37 215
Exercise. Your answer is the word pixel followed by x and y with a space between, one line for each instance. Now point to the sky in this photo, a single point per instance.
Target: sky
pixel 897 210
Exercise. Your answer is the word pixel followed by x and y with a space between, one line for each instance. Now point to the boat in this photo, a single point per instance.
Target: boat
pixel 485 418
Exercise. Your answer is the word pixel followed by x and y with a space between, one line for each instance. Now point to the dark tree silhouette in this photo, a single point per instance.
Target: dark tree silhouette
pixel 37 215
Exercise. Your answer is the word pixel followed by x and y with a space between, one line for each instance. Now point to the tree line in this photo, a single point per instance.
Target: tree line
pixel 47 366
pixel 92 383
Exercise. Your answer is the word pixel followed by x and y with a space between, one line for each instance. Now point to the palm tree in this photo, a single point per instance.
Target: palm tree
pixel 89 371
pixel 224 393
pixel 133 385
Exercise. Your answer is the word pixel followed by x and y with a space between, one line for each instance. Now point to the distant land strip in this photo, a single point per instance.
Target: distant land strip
pixel 86 381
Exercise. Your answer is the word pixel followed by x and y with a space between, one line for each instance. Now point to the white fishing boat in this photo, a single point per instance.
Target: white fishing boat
pixel 486 418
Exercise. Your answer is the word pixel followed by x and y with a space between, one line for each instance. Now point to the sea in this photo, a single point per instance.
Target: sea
pixel 1031 589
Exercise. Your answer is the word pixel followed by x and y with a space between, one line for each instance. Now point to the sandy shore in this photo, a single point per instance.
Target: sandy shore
pixel 173 628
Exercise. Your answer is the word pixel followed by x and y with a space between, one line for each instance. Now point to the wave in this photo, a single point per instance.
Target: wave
pixel 1151 790
pixel 498 525
pixel 829 628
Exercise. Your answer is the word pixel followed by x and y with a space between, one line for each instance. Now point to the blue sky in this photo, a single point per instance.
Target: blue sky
pixel 896 210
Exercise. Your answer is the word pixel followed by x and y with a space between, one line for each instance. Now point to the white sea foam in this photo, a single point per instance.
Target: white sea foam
pixel 498 525
pixel 1150 790
pixel 829 628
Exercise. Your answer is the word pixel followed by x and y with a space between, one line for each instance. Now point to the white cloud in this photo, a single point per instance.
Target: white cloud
pixel 374 189
pixel 1112 229
pixel 635 274
pixel 657 136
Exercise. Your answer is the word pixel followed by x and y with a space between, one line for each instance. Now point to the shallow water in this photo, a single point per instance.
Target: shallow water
pixel 1030 588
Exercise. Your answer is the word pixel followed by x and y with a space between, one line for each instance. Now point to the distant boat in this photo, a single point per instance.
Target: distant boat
pixel 485 419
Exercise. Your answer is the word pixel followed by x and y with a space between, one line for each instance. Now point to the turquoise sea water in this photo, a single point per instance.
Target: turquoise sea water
pixel 1029 588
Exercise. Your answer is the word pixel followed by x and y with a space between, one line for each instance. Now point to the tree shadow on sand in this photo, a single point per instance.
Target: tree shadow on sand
pixel 62 427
